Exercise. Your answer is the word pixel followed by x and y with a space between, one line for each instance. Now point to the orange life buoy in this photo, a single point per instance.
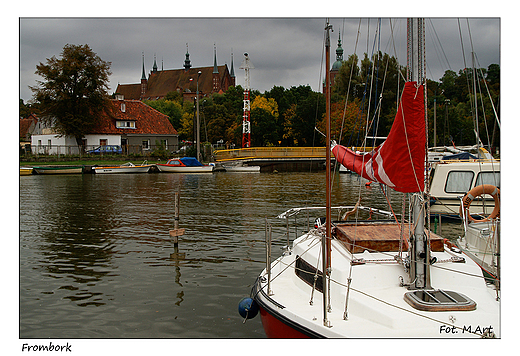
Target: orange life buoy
pixel 478 191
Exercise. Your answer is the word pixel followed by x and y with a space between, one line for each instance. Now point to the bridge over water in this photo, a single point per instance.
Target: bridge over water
pixel 275 158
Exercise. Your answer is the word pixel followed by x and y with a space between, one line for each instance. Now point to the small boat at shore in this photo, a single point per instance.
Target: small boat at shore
pixel 241 168
pixel 184 165
pixel 124 168
pixel 59 169
pixel 26 171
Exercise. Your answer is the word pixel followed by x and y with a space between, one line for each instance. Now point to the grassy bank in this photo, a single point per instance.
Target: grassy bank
pixel 88 161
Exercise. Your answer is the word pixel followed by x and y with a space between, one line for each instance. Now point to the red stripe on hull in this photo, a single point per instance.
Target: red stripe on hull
pixel 275 328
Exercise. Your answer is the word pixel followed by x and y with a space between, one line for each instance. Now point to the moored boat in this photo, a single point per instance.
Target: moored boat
pixel 184 165
pixel 59 169
pixel 375 278
pixel 124 168
pixel 481 238
pixel 451 179
pixel 240 168
pixel 26 171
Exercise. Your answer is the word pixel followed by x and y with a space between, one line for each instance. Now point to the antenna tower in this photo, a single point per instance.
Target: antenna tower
pixel 246 123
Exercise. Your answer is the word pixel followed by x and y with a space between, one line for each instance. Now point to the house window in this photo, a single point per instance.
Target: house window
pixel 49 143
pixel 125 124
pixel 123 107
pixel 103 142
pixel 146 144
pixel 164 144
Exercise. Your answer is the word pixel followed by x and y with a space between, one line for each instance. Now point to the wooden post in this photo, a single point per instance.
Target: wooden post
pixel 176 232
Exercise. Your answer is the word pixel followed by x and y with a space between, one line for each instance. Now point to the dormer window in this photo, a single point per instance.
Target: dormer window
pixel 120 124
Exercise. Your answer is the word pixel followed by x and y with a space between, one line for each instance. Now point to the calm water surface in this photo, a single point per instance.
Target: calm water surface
pixel 95 250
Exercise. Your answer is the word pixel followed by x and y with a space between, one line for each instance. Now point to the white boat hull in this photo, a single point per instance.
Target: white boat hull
pixel 181 169
pixel 376 304
pixel 58 170
pixel 242 169
pixel 132 169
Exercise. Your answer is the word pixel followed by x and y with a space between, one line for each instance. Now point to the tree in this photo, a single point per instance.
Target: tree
pixel 172 109
pixel 73 94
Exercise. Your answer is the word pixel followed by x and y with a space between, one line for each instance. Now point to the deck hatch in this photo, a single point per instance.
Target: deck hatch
pixel 439 300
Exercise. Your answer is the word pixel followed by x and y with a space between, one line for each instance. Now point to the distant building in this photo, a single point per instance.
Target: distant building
pixel 132 124
pixel 27 126
pixel 214 79
pixel 334 70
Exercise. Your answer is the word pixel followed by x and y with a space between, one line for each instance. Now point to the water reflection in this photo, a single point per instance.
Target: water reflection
pixel 96 255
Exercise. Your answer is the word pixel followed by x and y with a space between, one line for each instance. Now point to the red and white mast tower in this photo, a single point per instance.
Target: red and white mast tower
pixel 246 123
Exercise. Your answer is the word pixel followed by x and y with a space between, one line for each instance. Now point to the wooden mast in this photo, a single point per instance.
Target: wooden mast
pixel 326 246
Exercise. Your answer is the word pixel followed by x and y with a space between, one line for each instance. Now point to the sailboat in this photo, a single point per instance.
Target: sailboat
pixel 375 278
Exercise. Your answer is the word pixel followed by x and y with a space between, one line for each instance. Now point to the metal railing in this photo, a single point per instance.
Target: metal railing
pixel 28 150
pixel 270 152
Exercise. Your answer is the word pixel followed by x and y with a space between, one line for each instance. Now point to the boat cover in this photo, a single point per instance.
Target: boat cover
pixel 190 162
pixel 459 156
pixel 399 161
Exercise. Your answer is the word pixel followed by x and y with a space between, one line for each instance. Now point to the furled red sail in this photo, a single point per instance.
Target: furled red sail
pixel 399 161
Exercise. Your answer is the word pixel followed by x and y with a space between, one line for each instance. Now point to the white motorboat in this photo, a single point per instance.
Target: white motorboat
pixel 184 165
pixel 124 168
pixel 452 179
pixel 240 168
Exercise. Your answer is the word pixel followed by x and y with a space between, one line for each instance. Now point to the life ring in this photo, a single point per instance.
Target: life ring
pixel 478 191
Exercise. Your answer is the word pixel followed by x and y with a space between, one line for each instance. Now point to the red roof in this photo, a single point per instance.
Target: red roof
pixel 147 120
pixel 162 82
pixel 25 125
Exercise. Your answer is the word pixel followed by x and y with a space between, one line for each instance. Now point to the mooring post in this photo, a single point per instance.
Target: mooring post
pixel 176 232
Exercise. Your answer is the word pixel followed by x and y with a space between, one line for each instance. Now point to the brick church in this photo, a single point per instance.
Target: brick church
pixel 214 79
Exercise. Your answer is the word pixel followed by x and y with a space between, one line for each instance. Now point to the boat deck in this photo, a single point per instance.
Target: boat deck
pixel 378 236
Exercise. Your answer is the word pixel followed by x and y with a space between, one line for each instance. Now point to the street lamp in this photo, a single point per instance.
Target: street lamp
pixel 198 118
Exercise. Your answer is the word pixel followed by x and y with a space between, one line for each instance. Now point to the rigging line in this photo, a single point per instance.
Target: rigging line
pixel 287 265
pixel 488 93
pixel 349 82
pixel 439 43
pixel 483 107
pixel 476 122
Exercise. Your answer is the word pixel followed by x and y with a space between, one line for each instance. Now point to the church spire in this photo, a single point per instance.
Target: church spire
pixel 215 68
pixel 339 50
pixel 232 68
pixel 143 75
pixel 232 74
pixel 144 82
pixel 187 62
pixel 216 75
pixel 154 68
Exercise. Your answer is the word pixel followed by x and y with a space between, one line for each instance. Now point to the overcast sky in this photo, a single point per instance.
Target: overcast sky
pixel 285 51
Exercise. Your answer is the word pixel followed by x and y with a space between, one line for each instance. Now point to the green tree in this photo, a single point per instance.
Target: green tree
pixel 173 109
pixel 73 93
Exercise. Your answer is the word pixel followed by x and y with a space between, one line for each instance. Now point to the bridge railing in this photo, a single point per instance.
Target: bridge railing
pixel 270 152
pixel 275 152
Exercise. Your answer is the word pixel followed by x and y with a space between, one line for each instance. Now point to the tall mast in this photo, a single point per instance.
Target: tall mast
pixel 325 245
pixel 419 251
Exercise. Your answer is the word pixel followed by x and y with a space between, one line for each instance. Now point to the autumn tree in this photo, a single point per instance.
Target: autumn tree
pixel 73 92
pixel 264 121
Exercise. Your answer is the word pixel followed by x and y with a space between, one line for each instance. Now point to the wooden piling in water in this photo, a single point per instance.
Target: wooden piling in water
pixel 176 232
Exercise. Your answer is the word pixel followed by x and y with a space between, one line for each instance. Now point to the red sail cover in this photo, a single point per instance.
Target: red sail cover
pixel 399 161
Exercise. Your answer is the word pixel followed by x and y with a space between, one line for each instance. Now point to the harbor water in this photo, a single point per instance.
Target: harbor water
pixel 96 259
